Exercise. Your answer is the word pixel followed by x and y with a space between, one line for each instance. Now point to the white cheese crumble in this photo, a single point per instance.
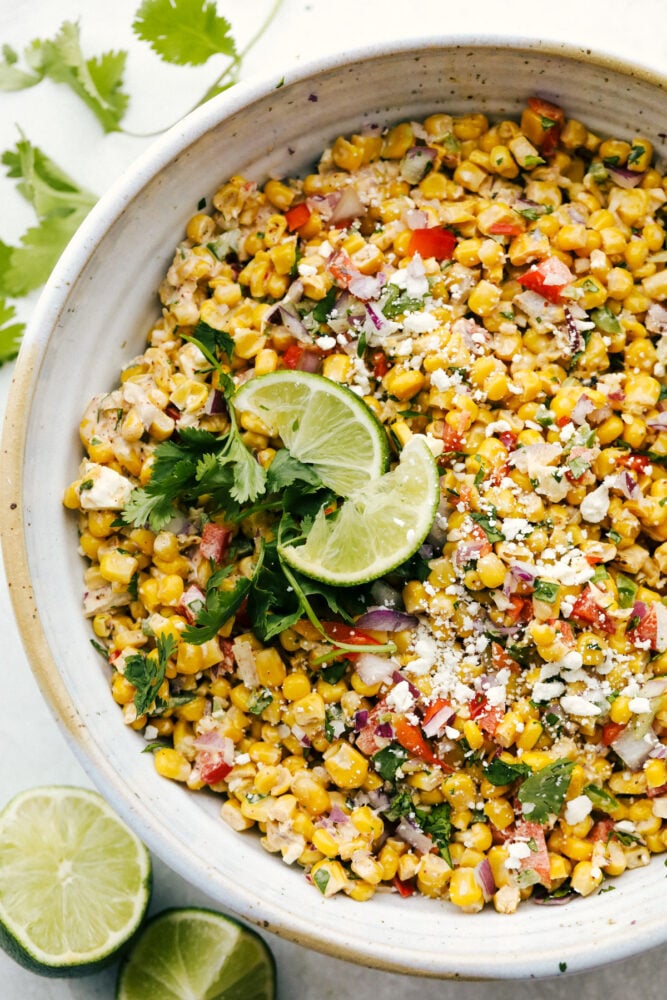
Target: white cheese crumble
pixel 577 809
pixel 100 488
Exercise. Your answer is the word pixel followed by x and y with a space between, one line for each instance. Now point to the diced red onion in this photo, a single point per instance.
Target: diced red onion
pixel 659 752
pixel 625 178
pixel 348 206
pixel 582 408
pixel 416 163
pixel 438 721
pixel 599 415
pixel 310 361
pixel 398 677
pixel 215 402
pixel 484 878
pixel 659 422
pixel 654 688
pixel 378 799
pixel 337 815
pixel 414 836
pixel 360 719
pixel 374 669
pixel 632 748
pixel 627 484
pixel 287 316
pixel 385 731
pixel 192 600
pixel 377 317
pixel 639 609
pixel 387 620
pixel 367 286
pixel 213 741
pixel 301 735
pixel 416 218
pixel 574 335
pixel 348 312
pixel 617 395
pixel 553 900
pixel 465 551
pixel 656 318
pixel 523 571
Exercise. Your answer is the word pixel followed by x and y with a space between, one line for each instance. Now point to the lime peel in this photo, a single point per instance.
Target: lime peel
pixel 377 528
pixel 192 952
pixel 75 881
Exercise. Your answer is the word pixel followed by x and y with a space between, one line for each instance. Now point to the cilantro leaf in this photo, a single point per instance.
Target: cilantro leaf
pixel 60 205
pixel 489 522
pixel 214 339
pixel 285 471
pixel 400 805
pixel 219 606
pixel 605 320
pixel 10 333
pixel 321 879
pixel 544 791
pixel 147 673
pixel 438 824
pixel 234 470
pixel 185 32
pixel 13 78
pixel 97 81
pixel 545 590
pixel 387 761
pixel 501 773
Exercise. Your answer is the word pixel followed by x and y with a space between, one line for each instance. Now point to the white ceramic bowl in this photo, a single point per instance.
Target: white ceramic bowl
pixel 95 314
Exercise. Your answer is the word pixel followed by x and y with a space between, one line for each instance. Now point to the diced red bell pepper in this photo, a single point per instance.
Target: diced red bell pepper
pixel 434 708
pixel 646 631
pixel 452 439
pixel 501 660
pixel 405 889
pixel 545 109
pixel 411 739
pixel 587 612
pixel 340 267
pixel 538 860
pixel 212 766
pixel 563 631
pixel 521 609
pixel 292 356
pixel 380 364
pixel 638 463
pixel 367 741
pixel 297 216
pixel 548 278
pixel 654 793
pixel 432 242
pixel 506 228
pixel 486 716
pixel 340 632
pixel 477 704
pixel 215 541
pixel 509 439
pixel 611 731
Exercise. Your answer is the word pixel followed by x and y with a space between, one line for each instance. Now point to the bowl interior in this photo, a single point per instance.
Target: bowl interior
pixel 95 316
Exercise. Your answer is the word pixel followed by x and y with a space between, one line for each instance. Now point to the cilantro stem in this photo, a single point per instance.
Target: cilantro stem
pixel 230 73
pixel 348 647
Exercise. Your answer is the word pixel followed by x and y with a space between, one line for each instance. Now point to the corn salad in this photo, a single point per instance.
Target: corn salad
pixel 499 288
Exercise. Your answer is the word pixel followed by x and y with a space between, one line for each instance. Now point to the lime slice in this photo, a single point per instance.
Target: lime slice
pixel 193 954
pixel 322 424
pixel 74 881
pixel 377 528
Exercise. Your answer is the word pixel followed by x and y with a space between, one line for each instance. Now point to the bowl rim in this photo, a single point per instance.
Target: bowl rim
pixel 40 329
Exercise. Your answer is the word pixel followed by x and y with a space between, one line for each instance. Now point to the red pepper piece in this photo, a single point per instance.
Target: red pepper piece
pixel 433 242
pixel 548 278
pixel 297 216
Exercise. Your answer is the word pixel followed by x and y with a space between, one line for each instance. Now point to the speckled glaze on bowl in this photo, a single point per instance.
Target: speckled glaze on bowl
pixel 94 315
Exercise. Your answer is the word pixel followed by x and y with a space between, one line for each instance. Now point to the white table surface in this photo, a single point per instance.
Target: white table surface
pixel 32 748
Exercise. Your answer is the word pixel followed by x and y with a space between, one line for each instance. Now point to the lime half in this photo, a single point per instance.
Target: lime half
pixel 74 881
pixel 377 528
pixel 193 954
pixel 322 424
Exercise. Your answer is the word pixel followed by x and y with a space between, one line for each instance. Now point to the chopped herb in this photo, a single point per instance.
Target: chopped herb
pixel 605 319
pixel 214 339
pixel 99 648
pixel 259 701
pixel 543 793
pixel 333 673
pixel 361 345
pixel 437 823
pixel 627 591
pixel 547 123
pixel 614 537
pixel 562 966
pixel 219 606
pixel 606 888
pixel 532 161
pixel 133 586
pixel 625 838
pixel 499 772
pixel 321 879
pixel 87 484
pixel 636 153
pixel 479 477
pixel 387 762
pixel 334 722
pixel 532 844
pixel 323 308
pixel 590 286
pixel 545 590
pixel 488 522
pixel 152 747
pixel 147 673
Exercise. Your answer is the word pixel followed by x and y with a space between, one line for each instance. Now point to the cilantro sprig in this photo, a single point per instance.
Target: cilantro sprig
pixel 147 673
pixel 543 793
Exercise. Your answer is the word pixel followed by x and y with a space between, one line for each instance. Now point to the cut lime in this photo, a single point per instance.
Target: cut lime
pixel 377 528
pixel 74 881
pixel 193 954
pixel 322 424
